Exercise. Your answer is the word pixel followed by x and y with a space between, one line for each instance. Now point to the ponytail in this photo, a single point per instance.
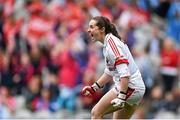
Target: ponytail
pixel 114 31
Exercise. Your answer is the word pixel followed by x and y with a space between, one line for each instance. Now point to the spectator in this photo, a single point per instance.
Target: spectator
pixel 145 65
pixel 45 102
pixel 38 59
pixel 53 86
pixel 156 102
pixel 7 103
pixel 68 75
pixel 5 71
pixel 169 64
pixel 2 40
pixel 173 26
pixel 26 69
pixel 32 93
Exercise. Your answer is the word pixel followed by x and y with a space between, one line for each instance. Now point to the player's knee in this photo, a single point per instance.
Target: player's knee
pixel 96 114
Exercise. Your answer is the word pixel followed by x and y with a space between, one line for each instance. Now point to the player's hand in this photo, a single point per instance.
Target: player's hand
pixel 119 101
pixel 88 91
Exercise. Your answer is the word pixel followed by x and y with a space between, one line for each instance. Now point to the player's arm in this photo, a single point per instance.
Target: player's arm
pixel 124 73
pixel 117 54
pixel 90 90
pixel 105 78
pixel 124 80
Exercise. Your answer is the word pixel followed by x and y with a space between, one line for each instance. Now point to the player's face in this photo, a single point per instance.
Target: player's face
pixel 94 31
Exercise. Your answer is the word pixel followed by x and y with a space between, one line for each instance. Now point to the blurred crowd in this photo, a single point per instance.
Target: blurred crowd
pixel 46 55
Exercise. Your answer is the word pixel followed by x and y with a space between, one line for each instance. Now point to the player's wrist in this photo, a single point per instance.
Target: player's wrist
pixel 122 95
pixel 96 86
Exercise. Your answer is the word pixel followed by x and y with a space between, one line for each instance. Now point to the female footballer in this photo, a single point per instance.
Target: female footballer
pixel 129 88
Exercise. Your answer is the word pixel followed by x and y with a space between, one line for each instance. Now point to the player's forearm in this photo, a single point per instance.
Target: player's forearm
pixel 105 78
pixel 124 84
pixel 124 74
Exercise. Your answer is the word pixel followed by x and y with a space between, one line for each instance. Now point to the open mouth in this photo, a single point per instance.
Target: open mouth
pixel 92 37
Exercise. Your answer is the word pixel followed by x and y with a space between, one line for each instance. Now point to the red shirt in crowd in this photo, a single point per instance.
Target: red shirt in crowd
pixel 69 70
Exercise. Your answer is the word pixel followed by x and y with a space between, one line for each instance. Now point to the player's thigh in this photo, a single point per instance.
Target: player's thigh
pixel 104 105
pixel 125 113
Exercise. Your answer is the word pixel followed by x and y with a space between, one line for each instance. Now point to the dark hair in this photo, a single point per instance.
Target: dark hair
pixel 105 22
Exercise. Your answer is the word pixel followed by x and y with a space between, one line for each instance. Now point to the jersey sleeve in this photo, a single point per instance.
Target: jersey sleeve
pixel 106 70
pixel 123 70
pixel 116 53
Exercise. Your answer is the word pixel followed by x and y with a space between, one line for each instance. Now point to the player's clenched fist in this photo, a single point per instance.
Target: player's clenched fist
pixel 88 91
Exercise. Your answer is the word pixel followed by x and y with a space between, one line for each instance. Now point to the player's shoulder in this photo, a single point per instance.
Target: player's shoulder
pixel 111 39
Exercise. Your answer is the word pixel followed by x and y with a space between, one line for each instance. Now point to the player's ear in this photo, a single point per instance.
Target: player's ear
pixel 103 29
